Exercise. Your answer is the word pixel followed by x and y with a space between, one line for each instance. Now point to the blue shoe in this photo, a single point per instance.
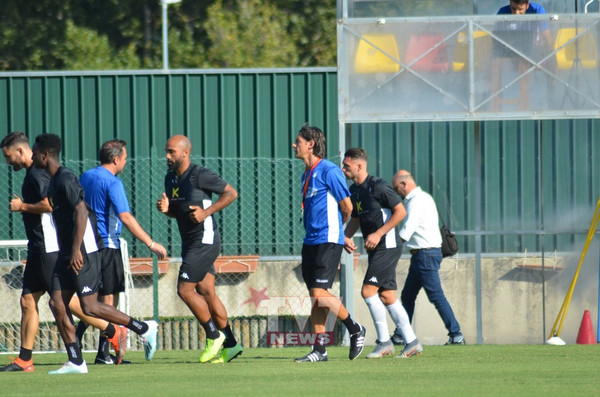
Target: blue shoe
pixel 70 368
pixel 150 339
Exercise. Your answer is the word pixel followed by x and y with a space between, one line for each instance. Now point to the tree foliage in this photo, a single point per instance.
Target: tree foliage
pixel 126 34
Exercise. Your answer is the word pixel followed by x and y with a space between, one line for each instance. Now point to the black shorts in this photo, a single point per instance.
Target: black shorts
pixel 113 277
pixel 197 262
pixel 87 282
pixel 320 264
pixel 37 276
pixel 381 271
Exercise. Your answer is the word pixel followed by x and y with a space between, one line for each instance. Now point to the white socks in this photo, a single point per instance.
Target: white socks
pixel 377 309
pixel 400 318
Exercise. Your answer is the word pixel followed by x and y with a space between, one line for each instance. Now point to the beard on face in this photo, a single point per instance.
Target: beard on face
pixel 173 165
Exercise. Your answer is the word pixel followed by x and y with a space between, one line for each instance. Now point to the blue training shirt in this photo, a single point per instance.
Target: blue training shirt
pixel 533 8
pixel 322 216
pixel 105 195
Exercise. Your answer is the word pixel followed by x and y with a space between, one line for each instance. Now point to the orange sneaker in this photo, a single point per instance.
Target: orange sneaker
pixel 18 365
pixel 119 343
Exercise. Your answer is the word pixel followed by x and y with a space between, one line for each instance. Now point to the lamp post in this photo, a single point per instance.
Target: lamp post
pixel 165 4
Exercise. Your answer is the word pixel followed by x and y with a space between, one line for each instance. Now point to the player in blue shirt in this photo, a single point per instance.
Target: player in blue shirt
pixel 326 206
pixel 105 195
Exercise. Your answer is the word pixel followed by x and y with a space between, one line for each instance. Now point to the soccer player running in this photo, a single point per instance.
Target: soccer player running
pixel 188 199
pixel 105 195
pixel 78 266
pixel 377 210
pixel 42 249
pixel 326 206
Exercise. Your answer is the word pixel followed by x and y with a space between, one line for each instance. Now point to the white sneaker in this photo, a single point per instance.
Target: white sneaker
pixel 70 368
pixel 150 339
pixel 382 349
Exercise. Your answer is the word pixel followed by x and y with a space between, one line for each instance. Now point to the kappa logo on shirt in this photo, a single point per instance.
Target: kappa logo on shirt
pixel 373 279
pixel 86 290
pixel 184 275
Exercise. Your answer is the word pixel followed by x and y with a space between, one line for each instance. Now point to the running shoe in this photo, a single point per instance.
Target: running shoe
pixel 228 354
pixel 357 343
pixel 382 349
pixel 18 365
pixel 70 368
pixel 119 343
pixel 212 348
pixel 414 348
pixel 456 340
pixel 150 339
pixel 312 357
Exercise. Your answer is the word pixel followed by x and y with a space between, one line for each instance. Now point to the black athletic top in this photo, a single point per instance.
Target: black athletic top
pixel 38 227
pixel 194 187
pixel 373 202
pixel 65 193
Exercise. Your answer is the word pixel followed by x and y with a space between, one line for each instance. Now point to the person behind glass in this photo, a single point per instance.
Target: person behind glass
pixel 326 206
pixel 377 210
pixel 421 235
pixel 522 7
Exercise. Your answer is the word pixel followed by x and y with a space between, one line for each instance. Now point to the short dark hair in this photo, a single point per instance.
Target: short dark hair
pixel 111 149
pixel 314 134
pixel 50 143
pixel 14 138
pixel 357 153
pixel 519 1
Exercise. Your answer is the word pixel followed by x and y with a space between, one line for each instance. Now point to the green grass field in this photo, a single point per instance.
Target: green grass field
pixel 514 370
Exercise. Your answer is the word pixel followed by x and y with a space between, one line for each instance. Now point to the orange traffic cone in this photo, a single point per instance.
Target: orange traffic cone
pixel 586 330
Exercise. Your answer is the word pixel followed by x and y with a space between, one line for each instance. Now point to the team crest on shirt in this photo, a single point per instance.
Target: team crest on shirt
pixel 359 208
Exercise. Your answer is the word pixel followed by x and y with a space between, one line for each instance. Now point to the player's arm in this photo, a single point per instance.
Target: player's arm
pixel 345 208
pixel 398 214
pixel 162 204
pixel 228 196
pixel 138 232
pixel 80 220
pixel 349 231
pixel 17 205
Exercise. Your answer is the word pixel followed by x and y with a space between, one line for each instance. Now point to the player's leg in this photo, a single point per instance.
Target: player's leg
pixel 29 328
pixel 429 266
pixel 88 280
pixel 206 289
pixel 37 279
pixel 113 283
pixel 384 346
pixel 59 305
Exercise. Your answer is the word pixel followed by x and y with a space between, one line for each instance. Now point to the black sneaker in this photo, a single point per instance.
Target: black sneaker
pixel 104 360
pixel 357 343
pixel 456 340
pixel 397 339
pixel 312 357
pixel 110 360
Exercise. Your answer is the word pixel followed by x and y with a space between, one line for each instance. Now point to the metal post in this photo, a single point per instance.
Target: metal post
pixel 165 34
pixel 478 243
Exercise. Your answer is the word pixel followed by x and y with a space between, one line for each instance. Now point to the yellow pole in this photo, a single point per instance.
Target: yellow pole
pixel 563 310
